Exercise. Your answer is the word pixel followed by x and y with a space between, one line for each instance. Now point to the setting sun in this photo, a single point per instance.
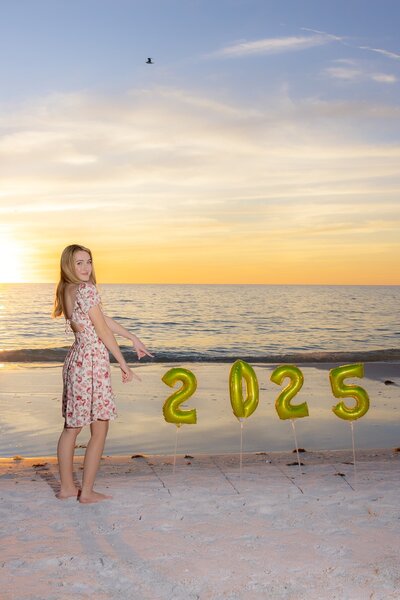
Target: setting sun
pixel 11 261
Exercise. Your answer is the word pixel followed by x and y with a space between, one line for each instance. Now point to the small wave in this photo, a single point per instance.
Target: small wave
pixel 44 355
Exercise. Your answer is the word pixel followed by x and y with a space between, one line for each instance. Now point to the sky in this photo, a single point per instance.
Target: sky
pixel 261 147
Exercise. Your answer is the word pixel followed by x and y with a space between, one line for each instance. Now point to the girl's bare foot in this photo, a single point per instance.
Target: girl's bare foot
pixel 92 496
pixel 65 493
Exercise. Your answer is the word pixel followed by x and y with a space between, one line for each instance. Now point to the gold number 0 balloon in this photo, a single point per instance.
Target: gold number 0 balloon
pixel 283 406
pixel 341 390
pixel 172 413
pixel 243 408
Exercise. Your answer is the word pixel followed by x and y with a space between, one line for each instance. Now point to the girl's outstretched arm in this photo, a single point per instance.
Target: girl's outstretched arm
pixel 107 337
pixel 119 330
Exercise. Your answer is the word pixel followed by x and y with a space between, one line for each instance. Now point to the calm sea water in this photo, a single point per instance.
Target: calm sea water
pixel 216 322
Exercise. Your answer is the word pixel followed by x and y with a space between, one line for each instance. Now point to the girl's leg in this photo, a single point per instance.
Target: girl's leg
pixel 65 455
pixel 94 450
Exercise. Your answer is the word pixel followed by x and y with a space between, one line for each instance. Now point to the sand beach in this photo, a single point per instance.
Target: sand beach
pixel 205 531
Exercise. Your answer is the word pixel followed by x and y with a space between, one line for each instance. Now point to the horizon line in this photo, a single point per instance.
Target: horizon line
pixel 186 283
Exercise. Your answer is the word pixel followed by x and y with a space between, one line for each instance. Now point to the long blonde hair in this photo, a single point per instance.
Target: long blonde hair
pixel 68 275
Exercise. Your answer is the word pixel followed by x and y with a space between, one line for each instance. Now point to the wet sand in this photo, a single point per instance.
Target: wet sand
pixel 31 421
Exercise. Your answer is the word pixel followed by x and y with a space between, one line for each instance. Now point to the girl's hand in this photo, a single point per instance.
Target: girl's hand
pixel 128 374
pixel 140 348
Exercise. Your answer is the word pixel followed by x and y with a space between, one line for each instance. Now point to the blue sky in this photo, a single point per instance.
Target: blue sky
pixel 261 147
pixel 101 44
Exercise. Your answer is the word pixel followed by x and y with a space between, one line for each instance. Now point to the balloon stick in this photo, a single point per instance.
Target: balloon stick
pixel 354 452
pixel 176 445
pixel 241 447
pixel 295 441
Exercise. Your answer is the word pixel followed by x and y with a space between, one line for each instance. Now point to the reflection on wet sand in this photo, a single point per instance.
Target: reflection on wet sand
pixel 30 412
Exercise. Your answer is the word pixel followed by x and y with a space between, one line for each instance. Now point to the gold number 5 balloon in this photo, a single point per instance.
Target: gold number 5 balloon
pixel 172 413
pixel 342 390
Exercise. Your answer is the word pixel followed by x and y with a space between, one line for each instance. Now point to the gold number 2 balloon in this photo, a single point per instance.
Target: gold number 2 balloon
pixel 172 413
pixel 283 406
pixel 243 408
pixel 342 390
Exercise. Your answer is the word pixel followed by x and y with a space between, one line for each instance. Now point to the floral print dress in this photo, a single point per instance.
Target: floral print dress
pixel 87 392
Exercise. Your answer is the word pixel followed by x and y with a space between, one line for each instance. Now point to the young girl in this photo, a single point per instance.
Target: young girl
pixel 87 394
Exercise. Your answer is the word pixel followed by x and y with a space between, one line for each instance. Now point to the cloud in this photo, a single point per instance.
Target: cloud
pixel 78 159
pixel 324 33
pixel 274 45
pixel 384 77
pixel 162 132
pixel 387 53
pixel 343 73
pixel 343 40
pixel 358 74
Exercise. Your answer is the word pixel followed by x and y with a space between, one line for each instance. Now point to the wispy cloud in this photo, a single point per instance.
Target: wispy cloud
pixel 358 74
pixel 383 77
pixel 274 45
pixel 387 53
pixel 343 73
pixel 324 33
pixel 346 42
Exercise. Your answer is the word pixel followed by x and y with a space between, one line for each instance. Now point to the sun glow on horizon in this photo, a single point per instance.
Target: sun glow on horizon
pixel 11 260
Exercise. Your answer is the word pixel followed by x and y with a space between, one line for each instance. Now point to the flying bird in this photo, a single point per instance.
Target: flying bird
pixel 149 61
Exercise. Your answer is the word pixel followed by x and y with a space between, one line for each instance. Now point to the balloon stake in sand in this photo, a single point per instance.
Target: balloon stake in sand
pixel 172 412
pixel 283 405
pixel 242 409
pixel 342 390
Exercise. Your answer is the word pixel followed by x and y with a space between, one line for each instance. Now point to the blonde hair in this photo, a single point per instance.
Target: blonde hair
pixel 68 275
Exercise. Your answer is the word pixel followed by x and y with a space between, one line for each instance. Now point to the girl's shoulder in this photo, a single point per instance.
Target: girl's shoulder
pixel 87 295
pixel 81 286
pixel 72 290
pixel 86 288
pixel 85 284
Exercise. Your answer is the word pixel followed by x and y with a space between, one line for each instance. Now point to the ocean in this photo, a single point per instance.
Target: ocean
pixel 217 323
